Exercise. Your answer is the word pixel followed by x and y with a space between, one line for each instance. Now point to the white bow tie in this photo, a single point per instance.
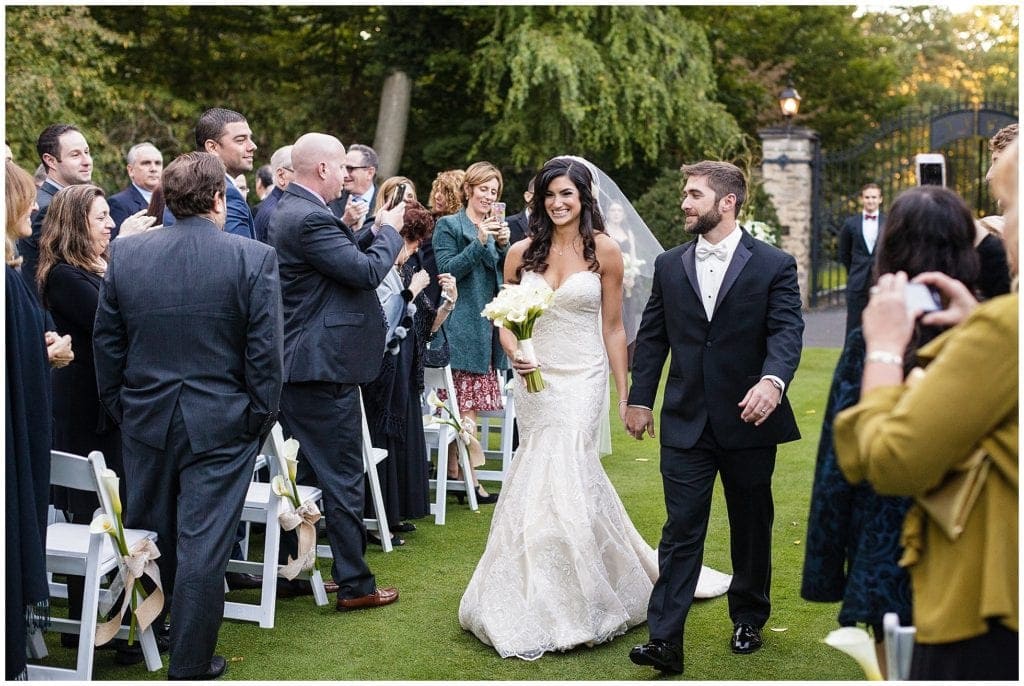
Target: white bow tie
pixel 720 252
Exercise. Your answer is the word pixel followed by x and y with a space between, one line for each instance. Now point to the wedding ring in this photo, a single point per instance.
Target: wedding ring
pixel 764 412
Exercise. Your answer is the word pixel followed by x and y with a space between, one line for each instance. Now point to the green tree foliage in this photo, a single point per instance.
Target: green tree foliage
pixel 843 71
pixel 621 84
pixel 60 68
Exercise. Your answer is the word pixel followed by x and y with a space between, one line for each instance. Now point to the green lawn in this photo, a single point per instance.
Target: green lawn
pixel 419 637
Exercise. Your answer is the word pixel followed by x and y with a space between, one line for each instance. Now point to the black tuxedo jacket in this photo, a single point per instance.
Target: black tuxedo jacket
pixel 334 328
pixel 337 206
pixel 756 329
pixel 518 225
pixel 853 252
pixel 190 315
pixel 128 202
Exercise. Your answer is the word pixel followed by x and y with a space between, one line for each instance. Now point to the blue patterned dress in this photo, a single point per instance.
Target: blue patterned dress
pixel 852 532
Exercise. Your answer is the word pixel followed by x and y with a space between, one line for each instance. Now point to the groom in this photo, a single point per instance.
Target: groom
pixel 727 306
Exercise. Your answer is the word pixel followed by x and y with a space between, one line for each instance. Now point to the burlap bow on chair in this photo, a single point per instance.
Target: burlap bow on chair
pixel 140 562
pixel 468 437
pixel 304 519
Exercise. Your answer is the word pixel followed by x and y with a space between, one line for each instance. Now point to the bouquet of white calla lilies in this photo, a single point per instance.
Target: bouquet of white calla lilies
pixel 516 308
pixel 283 485
pixel 630 270
pixel 466 434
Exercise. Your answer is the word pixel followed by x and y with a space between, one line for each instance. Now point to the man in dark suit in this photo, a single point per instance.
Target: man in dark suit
pixel 188 347
pixel 226 134
pixel 281 168
pixel 519 223
pixel 334 340
pixel 359 194
pixel 727 307
pixel 65 154
pixel 857 241
pixel 145 166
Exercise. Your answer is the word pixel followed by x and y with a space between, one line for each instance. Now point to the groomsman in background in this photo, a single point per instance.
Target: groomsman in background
pixel 188 349
pixel 857 240
pixel 65 155
pixel 226 134
pixel 145 166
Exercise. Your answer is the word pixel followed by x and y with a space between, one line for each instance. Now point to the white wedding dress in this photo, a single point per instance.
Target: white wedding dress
pixel 564 565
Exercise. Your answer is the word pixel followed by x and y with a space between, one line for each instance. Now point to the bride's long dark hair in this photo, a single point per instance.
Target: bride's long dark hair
pixel 542 229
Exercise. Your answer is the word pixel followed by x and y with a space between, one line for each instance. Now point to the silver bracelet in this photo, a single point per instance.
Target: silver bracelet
pixel 884 357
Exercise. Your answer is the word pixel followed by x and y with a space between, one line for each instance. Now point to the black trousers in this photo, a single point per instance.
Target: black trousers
pixel 193 502
pixel 689 477
pixel 993 656
pixel 325 419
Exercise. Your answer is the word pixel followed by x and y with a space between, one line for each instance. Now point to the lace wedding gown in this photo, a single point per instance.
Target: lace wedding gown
pixel 564 565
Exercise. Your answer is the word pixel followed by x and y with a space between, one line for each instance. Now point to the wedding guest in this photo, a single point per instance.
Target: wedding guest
pixel 857 241
pixel 28 435
pixel 66 157
pixel 995 272
pixel 226 134
pixel 387 190
pixel 471 246
pixel 72 261
pixel 334 341
pixel 359 192
pixel 853 548
pixel 519 223
pixel 281 166
pixel 915 435
pixel 144 164
pixel 187 343
pixel 446 193
pixel 393 405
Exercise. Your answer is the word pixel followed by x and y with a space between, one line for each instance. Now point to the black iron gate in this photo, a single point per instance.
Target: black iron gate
pixel 958 130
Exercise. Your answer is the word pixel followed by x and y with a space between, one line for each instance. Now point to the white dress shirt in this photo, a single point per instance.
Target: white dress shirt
pixel 870 227
pixel 711 271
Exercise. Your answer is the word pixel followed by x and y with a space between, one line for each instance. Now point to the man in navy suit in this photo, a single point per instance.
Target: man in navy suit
pixel 857 241
pixel 727 308
pixel 65 154
pixel 145 167
pixel 334 340
pixel 226 134
pixel 519 223
pixel 188 356
pixel 282 174
pixel 359 193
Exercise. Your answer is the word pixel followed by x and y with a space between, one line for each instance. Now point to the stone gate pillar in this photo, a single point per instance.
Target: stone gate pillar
pixel 788 173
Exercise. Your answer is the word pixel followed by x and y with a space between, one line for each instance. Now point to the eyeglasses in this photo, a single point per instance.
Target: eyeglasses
pixel 349 168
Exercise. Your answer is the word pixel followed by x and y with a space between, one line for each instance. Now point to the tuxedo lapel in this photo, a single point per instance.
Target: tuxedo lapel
pixel 739 260
pixel 689 258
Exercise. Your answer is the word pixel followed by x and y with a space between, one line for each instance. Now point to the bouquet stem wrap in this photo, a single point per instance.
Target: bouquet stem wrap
pixel 534 381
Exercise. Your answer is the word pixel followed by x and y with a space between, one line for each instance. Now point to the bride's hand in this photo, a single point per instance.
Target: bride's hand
pixel 521 364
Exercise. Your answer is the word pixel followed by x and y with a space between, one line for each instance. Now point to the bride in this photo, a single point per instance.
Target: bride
pixel 564 565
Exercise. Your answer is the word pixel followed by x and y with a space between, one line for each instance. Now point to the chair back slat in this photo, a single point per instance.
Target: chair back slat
pixel 71 471
pixel 99 465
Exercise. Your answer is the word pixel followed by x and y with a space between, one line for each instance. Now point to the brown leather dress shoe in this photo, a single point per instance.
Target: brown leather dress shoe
pixel 379 598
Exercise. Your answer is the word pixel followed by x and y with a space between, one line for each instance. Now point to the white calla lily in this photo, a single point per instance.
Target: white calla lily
pixel 279 485
pixel 103 524
pixel 112 483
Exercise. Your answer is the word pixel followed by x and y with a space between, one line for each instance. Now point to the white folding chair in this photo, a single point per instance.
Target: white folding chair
pixel 262 506
pixel 72 550
pixel 259 464
pixel 438 438
pixel 501 422
pixel 372 456
pixel 899 647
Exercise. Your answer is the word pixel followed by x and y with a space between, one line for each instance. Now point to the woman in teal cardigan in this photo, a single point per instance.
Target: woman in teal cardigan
pixel 471 246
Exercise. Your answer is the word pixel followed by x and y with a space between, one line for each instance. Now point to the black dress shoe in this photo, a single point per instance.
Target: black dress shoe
pixel 237 580
pixel 746 638
pixel 218 666
pixel 661 655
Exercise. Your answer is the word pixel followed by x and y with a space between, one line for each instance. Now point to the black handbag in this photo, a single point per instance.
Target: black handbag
pixel 436 353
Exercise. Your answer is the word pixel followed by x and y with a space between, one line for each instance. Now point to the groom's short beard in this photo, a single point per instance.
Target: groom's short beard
pixel 705 222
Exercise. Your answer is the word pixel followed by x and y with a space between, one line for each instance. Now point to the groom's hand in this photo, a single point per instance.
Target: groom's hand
pixel 639 419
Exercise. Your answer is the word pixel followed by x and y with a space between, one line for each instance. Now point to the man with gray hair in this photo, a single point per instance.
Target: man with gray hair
pixel 145 164
pixel 359 195
pixel 281 169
